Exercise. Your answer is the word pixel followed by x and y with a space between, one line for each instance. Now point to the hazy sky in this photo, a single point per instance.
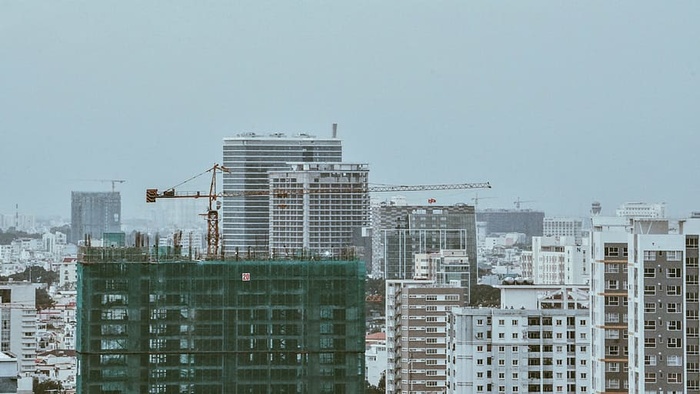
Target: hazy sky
pixel 560 102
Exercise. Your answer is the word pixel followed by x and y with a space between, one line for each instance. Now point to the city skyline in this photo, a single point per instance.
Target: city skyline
pixel 559 107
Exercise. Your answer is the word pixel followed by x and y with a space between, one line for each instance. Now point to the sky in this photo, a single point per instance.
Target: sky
pixel 558 103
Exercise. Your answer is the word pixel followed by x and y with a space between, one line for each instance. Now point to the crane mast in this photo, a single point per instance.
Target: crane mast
pixel 212 214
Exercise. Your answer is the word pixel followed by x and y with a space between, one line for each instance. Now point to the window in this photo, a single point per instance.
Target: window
pixel 649 255
pixel 691 279
pixel 612 285
pixel 674 325
pixel 480 322
pixel 691 314
pixel 649 307
pixel 673 290
pixel 674 361
pixel 612 268
pixel 515 335
pixel 501 362
pixel 612 251
pixel 674 273
pixel 691 261
pixel 691 332
pixel 612 300
pixel 515 375
pixel 691 296
pixel 649 342
pixel 674 342
pixel 674 377
pixel 650 324
pixel 674 255
pixel 674 307
pixel 609 318
pixel 691 243
pixel 613 350
pixel 501 335
pixel 479 361
pixel 649 377
pixel 650 360
pixel 514 349
pixel 649 273
pixel 513 322
pixel 501 322
pixel 692 349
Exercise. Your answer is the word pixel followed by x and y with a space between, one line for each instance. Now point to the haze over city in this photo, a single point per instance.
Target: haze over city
pixel 556 102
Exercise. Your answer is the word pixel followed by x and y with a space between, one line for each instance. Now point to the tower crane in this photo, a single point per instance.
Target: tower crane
pixel 518 201
pixel 113 181
pixel 212 215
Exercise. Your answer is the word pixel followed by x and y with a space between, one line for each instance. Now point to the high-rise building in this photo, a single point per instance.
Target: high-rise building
pixel 416 334
pixel 402 231
pixel 18 323
pixel 538 342
pixel 523 221
pixel 318 208
pixel 94 213
pixel 645 304
pixel 250 157
pixel 165 325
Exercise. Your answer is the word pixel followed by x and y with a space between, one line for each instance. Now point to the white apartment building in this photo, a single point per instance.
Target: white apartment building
pixel 416 334
pixel 18 323
pixel 563 227
pixel 557 260
pixel 375 357
pixel 538 342
pixel 249 157
pixel 317 206
pixel 68 273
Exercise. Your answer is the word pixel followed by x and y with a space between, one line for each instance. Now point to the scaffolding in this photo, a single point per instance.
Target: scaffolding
pixel 173 326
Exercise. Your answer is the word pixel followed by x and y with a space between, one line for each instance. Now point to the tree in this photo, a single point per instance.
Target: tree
pixel 486 295
pixel 46 386
pixel 44 300
pixel 36 274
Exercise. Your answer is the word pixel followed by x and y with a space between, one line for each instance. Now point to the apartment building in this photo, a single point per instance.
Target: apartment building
pixel 539 341
pixel 416 326
pixel 557 260
pixel 563 227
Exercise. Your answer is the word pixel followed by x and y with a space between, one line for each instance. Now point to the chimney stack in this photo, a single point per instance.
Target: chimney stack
pixel 335 130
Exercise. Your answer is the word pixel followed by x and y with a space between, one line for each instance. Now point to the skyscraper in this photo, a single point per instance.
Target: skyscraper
pixel 321 205
pixel 250 157
pixel 94 213
pixel 160 324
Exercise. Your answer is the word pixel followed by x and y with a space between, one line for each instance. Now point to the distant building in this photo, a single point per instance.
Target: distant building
pixel 249 157
pixel 557 261
pixel 563 227
pixel 636 210
pixel 523 221
pixel 94 213
pixel 401 232
pixel 321 205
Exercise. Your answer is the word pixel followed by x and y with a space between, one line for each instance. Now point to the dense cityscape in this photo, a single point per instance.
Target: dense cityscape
pixel 317 283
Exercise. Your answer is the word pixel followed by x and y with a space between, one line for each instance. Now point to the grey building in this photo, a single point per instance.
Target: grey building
pixel 524 221
pixel 318 207
pixel 250 157
pixel 94 213
pixel 401 232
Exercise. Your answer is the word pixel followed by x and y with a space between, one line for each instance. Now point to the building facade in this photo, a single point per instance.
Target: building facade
pixel 18 323
pixel 317 206
pixel 563 227
pixel 167 325
pixel 249 157
pixel 94 213
pixel 416 332
pixel 523 221
pixel 556 260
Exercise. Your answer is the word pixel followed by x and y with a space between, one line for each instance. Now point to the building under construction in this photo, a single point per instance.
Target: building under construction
pixel 163 325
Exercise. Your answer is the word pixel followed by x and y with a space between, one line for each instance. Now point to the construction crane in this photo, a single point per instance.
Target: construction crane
pixel 519 201
pixel 476 200
pixel 212 215
pixel 113 181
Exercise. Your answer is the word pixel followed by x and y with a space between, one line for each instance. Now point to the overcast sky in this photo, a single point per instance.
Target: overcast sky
pixel 557 102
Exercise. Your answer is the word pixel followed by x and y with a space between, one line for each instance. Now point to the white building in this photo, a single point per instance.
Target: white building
pixel 635 210
pixel 68 273
pixel 375 357
pixel 563 227
pixel 538 342
pixel 249 157
pixel 557 260
pixel 18 322
pixel 317 206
